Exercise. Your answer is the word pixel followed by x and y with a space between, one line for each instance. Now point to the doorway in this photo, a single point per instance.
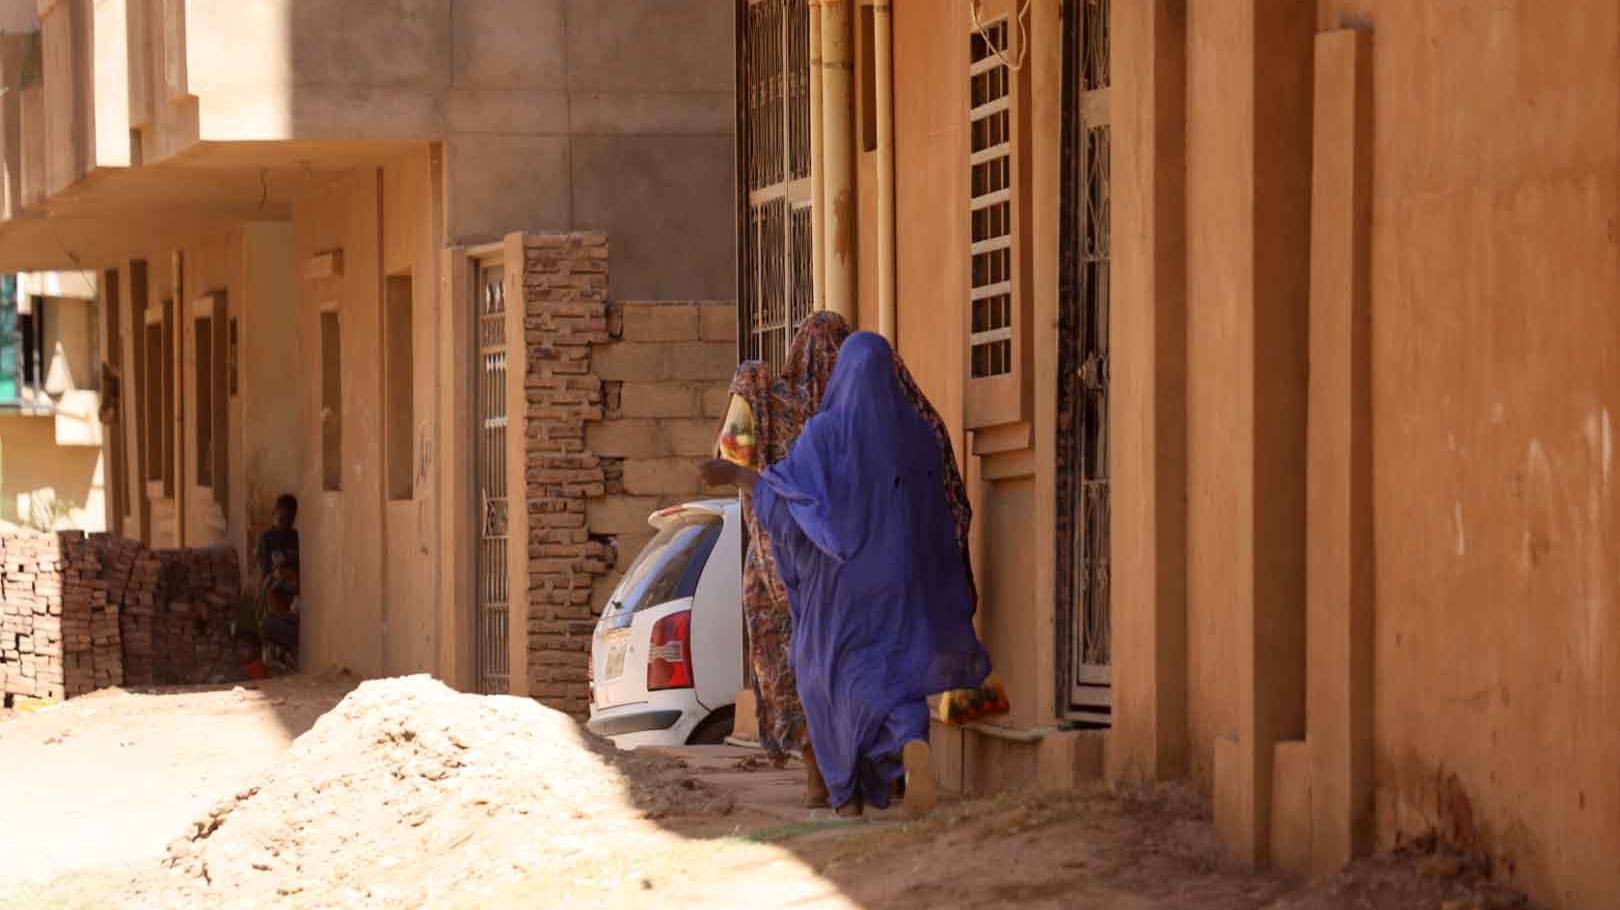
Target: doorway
pixel 492 619
pixel 1082 434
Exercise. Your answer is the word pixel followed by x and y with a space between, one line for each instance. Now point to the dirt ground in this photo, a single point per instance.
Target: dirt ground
pixel 90 782
pixel 410 795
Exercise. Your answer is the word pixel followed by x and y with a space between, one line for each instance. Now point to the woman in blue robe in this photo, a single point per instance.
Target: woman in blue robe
pixel 878 585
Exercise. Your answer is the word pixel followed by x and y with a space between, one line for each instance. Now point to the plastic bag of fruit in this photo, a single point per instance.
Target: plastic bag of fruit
pixel 737 443
pixel 964 706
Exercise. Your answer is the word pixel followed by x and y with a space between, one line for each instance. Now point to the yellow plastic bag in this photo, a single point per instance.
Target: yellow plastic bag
pixel 964 706
pixel 737 443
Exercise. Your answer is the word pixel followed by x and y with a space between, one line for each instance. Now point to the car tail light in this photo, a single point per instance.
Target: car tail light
pixel 669 659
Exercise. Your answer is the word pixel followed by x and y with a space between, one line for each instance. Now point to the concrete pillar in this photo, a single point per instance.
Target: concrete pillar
pixel 818 185
pixel 1249 141
pixel 1339 587
pixel 514 257
pixel 457 493
pixel 838 157
pixel 1044 127
pixel 882 52
pixel 1149 422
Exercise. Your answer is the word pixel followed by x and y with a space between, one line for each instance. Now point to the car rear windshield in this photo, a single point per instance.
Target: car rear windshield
pixel 669 567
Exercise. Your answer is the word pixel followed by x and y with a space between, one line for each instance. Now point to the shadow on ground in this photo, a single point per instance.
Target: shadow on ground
pixel 410 795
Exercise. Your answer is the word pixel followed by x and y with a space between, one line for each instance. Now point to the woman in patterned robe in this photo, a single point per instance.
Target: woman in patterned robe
pixel 780 407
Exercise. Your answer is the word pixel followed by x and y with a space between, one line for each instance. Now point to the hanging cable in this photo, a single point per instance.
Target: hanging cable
pixel 1023 34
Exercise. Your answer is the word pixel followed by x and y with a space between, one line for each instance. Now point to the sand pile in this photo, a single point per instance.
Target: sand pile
pixel 408 792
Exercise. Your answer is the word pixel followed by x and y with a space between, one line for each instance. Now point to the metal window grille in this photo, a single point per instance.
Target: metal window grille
pixel 775 287
pixel 990 343
pixel 492 623
pixel 1083 469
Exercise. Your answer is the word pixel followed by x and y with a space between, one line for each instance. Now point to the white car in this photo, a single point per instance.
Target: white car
pixel 667 656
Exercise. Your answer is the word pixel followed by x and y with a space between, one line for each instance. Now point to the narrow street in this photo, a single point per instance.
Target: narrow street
pixel 410 795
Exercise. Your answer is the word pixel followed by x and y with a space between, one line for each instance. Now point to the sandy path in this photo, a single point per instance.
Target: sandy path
pixel 411 796
pixel 111 778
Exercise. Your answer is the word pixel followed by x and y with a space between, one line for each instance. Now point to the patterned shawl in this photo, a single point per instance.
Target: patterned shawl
pixel 783 406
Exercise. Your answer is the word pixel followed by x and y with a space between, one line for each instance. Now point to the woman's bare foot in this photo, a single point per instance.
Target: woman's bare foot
pixel 815 787
pixel 851 809
pixel 921 792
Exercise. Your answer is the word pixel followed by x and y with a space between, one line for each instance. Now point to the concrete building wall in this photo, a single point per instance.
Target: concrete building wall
pixel 665 369
pixel 257 139
pixel 367 582
pixel 589 116
pixel 51 471
pixel 267 424
pixel 1468 196
pixel 40 479
pixel 1011 520
pixel 211 277
pixel 1493 269
pixel 1248 170
pixel 70 362
pixel 19 16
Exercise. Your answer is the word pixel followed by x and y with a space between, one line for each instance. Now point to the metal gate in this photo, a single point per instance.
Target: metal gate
pixel 775 274
pixel 492 632
pixel 773 99
pixel 1083 470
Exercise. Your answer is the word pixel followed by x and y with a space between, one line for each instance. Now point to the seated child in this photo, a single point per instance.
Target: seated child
pixel 251 654
pixel 278 561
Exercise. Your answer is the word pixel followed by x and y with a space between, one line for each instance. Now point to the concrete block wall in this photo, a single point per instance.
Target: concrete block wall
pixel 667 371
pixel 623 402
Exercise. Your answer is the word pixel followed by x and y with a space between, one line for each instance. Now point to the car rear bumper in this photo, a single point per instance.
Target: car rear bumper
pixel 621 723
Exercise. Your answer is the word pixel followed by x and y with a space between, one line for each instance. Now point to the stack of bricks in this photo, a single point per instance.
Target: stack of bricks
pixel 59 633
pixel 79 613
pixel 623 402
pixel 195 610
pixel 138 617
pixel 30 617
pixel 92 648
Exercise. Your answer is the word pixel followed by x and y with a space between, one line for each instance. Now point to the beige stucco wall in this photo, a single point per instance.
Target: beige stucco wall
pixel 368 562
pixel 1493 264
pixel 211 266
pixel 35 471
pixel 1012 554
pixel 19 15
pixel 70 345
pixel 1248 135
pixel 370 565
pixel 1494 389
pixel 267 423
pixel 412 222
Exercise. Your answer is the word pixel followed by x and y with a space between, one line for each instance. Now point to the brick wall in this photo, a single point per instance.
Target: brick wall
pixel 623 402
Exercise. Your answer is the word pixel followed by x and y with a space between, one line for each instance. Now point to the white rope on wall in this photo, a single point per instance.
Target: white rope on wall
pixel 1023 34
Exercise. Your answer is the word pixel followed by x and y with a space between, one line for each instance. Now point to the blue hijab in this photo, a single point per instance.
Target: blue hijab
pixel 879 592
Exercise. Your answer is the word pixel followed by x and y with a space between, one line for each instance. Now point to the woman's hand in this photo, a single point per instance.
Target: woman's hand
pixel 717 472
